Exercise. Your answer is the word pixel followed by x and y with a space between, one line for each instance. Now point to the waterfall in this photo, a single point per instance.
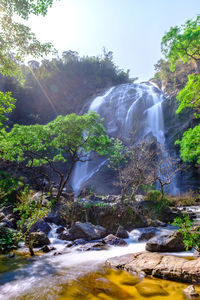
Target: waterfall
pixel 126 109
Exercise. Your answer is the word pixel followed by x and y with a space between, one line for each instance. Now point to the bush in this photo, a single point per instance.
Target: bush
pixel 8 240
pixel 158 204
pixel 191 234
pixel 9 187
pixel 153 195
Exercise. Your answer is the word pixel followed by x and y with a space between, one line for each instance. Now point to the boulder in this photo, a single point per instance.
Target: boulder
pixel 147 234
pixel 139 198
pixel 39 239
pixel 166 243
pixel 47 249
pixel 114 240
pixel 79 242
pixel 6 210
pixel 65 236
pixel 157 223
pixel 91 247
pixel 122 233
pixel 41 226
pixel 87 231
pixel 190 292
pixel 161 266
pixel 60 229
pixel 2 216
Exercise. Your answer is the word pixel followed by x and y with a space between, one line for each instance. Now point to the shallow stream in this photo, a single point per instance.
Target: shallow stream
pixel 80 275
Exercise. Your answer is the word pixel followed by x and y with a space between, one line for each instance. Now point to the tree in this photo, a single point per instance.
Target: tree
pixel 183 43
pixel 67 139
pixel 137 167
pixel 190 233
pixel 26 7
pixel 166 168
pixel 190 145
pixel 16 39
pixel 6 106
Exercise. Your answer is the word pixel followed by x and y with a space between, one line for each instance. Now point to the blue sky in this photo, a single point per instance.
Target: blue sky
pixel 132 29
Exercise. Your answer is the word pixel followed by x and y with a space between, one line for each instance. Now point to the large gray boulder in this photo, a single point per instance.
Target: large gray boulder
pixel 161 266
pixel 41 225
pixel 39 239
pixel 87 231
pixel 166 243
pixel 122 233
pixel 114 240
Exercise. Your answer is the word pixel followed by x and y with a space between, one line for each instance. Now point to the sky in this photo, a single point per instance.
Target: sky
pixel 132 29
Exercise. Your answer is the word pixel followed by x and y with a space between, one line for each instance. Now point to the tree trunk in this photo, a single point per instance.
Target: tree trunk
pixel 30 247
pixel 64 181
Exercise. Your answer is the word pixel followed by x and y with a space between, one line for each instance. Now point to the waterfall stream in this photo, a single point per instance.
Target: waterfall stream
pixel 127 109
pixel 41 277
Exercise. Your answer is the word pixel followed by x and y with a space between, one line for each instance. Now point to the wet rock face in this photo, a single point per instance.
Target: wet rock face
pixel 39 239
pixel 87 231
pixel 166 243
pixel 160 266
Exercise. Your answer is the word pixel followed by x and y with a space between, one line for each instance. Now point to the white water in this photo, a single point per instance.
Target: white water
pixel 44 274
pixel 126 109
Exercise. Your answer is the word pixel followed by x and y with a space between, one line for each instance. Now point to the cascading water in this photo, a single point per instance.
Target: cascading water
pixel 127 109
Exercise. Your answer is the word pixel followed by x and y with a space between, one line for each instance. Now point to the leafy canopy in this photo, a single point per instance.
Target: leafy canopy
pixel 190 145
pixel 41 144
pixel 182 43
pixel 6 106
pixel 189 96
pixel 16 39
pixel 26 7
pixel 189 232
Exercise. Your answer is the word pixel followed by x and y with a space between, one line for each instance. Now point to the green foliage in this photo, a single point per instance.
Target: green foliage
pixel 8 240
pixel 190 145
pixel 38 145
pixel 26 7
pixel 147 188
pixel 189 96
pixel 158 203
pixel 17 40
pixel 153 195
pixel 191 234
pixel 6 106
pixel 120 155
pixel 8 186
pixel 67 138
pixel 30 211
pixel 182 43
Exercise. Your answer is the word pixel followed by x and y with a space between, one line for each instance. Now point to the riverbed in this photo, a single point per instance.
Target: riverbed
pixel 71 274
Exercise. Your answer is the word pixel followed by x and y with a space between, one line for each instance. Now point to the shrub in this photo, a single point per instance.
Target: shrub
pixel 8 239
pixel 191 234
pixel 9 187
pixel 153 195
